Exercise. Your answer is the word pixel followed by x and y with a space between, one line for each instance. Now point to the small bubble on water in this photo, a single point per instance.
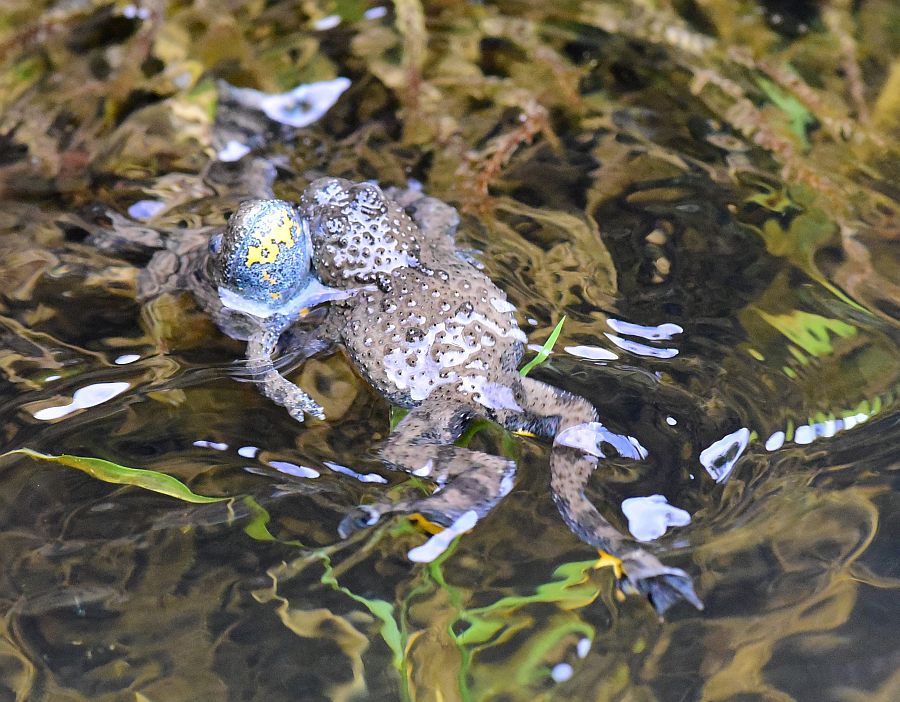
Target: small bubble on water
pixel 562 672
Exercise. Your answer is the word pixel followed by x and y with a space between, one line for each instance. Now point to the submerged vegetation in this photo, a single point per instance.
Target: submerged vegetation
pixel 705 190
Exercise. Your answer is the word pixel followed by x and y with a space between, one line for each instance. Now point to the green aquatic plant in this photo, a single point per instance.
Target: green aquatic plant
pixel 472 633
pixel 545 351
pixel 110 472
pixel 811 332
pixel 800 118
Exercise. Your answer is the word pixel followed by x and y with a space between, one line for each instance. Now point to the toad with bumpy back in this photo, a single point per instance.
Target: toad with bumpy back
pixel 436 335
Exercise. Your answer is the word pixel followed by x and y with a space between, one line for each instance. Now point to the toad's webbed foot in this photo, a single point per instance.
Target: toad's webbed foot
pixel 468 481
pixel 662 585
pixel 359 518
pixel 579 443
pixel 283 392
pixel 642 571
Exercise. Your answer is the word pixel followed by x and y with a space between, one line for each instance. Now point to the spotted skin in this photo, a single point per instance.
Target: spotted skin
pixel 437 336
pixel 264 254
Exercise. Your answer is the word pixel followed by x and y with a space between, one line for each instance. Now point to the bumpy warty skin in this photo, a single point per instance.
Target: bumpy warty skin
pixel 424 326
pixel 254 280
pixel 434 319
pixel 434 334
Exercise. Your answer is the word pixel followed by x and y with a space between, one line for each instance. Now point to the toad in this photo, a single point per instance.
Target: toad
pixel 433 334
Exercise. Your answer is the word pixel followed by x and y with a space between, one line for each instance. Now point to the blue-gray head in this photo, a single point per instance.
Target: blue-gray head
pixel 261 263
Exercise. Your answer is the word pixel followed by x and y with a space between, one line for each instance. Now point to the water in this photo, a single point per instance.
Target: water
pixel 729 281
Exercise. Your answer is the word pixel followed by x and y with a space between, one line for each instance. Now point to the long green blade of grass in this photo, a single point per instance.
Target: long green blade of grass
pixel 544 353
pixel 110 472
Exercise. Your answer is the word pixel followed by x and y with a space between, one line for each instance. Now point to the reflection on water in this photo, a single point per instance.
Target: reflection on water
pixel 720 457
pixel 591 353
pixel 705 190
pixel 438 544
pixel 82 398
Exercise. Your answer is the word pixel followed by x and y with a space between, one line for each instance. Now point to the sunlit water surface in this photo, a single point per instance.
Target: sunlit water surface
pixel 720 312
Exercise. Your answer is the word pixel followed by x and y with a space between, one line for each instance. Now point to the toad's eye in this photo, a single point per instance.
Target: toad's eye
pixel 215 244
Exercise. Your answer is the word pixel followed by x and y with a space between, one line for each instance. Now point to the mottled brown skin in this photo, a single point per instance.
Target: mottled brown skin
pixel 437 336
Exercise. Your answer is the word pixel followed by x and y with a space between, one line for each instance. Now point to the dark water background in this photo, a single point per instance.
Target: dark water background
pixel 727 167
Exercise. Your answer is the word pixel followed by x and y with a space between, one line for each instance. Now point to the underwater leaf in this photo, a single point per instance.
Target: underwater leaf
pixel 322 622
pixel 110 472
pixel 350 10
pixel 258 526
pixel 397 414
pixel 799 117
pixel 809 331
pixel 808 233
pixel 571 589
pixel 380 609
pixel 544 353
pixel 496 626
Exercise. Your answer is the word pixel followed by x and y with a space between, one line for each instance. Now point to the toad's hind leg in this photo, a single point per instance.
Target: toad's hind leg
pixel 422 444
pixel 576 448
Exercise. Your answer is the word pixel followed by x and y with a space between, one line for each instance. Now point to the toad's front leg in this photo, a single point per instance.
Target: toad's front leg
pixel 260 350
pixel 422 445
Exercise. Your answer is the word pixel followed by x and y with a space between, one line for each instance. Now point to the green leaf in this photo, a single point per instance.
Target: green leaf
pixel 397 413
pixel 110 472
pixel 811 332
pixel 380 609
pixel 258 526
pixel 799 117
pixel 350 10
pixel 544 353
pixel 495 624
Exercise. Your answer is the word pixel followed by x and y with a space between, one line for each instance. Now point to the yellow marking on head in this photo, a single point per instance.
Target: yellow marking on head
pixel 267 251
pixel 276 295
pixel 282 233
pixel 260 254
pixel 268 278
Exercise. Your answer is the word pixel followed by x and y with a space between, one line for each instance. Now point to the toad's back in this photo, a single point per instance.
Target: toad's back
pixel 431 319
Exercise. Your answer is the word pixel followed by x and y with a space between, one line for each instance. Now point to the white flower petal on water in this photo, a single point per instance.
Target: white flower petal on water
pixel 233 151
pixel 720 456
pixel 248 451
pixel 591 353
pixel 88 396
pixel 440 542
pixel 649 517
pixel 294 469
pixel 304 104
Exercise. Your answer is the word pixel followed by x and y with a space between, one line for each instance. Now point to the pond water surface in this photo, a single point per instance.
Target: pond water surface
pixel 707 191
